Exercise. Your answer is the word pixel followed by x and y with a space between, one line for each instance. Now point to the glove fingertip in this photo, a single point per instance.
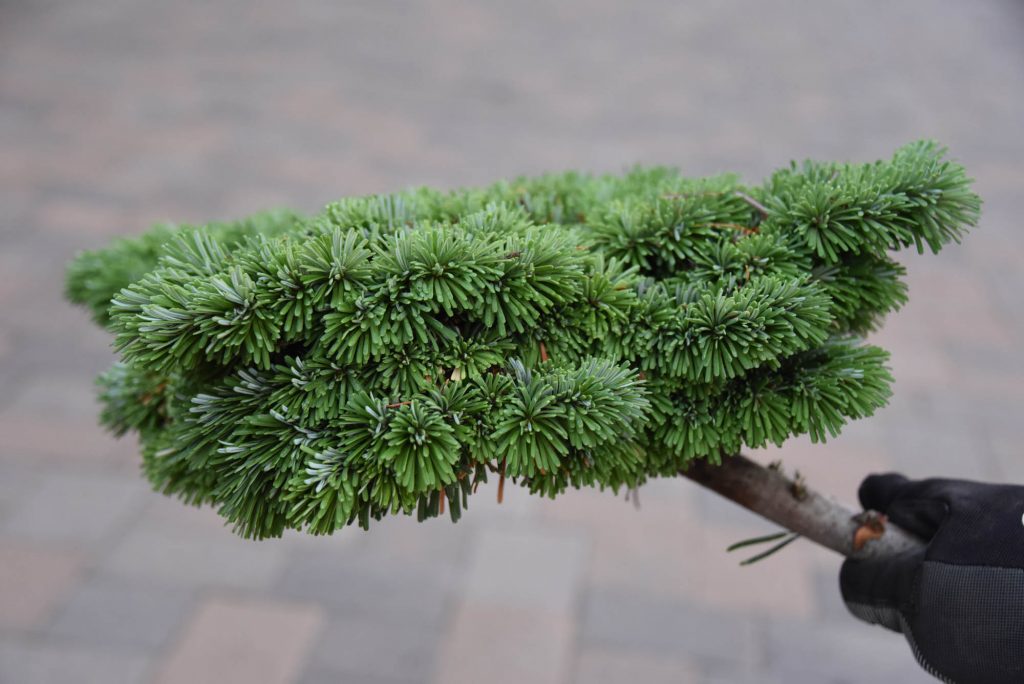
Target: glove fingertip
pixel 878 491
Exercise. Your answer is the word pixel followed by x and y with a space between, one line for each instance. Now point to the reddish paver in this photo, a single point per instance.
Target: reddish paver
pixel 33 583
pixel 241 640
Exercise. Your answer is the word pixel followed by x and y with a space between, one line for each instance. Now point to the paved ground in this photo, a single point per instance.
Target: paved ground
pixel 118 113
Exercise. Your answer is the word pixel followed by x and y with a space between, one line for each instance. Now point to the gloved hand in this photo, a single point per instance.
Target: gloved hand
pixel 960 601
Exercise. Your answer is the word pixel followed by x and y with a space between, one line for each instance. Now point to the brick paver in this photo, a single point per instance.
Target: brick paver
pixel 76 510
pixel 516 622
pixel 33 582
pixel 53 662
pixel 242 640
pixel 615 667
pixel 112 613
pixel 114 115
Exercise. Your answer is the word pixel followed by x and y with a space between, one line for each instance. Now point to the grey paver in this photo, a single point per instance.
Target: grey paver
pixel 389 594
pixel 111 613
pixel 604 666
pixel 18 482
pixel 353 648
pixel 329 677
pixel 527 567
pixel 188 560
pixel 58 664
pixel 651 623
pixel 77 509
pixel 848 652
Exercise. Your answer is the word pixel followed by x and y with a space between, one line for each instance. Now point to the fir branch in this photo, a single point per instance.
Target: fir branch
pixel 564 331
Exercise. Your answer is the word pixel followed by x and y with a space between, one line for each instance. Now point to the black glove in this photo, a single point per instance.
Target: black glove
pixel 960 601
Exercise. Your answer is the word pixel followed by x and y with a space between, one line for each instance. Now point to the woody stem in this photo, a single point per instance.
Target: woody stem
pixel 789 503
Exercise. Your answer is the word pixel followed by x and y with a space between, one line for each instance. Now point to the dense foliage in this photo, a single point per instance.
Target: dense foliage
pixel 567 330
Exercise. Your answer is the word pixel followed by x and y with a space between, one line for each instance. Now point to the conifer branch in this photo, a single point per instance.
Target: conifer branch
pixel 385 355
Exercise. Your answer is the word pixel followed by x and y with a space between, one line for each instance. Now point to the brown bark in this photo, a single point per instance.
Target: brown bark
pixel 789 503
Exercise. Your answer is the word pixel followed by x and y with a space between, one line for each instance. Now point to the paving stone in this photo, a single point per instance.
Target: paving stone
pixel 32 437
pixel 243 640
pixel 1010 461
pixel 18 481
pixel 110 613
pixel 178 557
pixel 435 546
pixel 507 644
pixel 401 571
pixel 57 396
pixel 516 504
pixel 167 515
pixel 711 506
pixel 726 675
pixel 915 367
pixel 359 648
pixel 519 598
pixel 600 666
pixel 650 623
pixel 526 567
pixel 6 344
pixel 33 582
pixel 621 553
pixel 657 502
pixel 829 602
pixel 851 653
pixel 390 594
pixel 328 677
pixel 958 307
pixel 780 585
pixel 59 663
pixel 75 217
pixel 934 449
pixel 77 509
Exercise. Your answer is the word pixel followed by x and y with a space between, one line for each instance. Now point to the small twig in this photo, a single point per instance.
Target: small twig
pixel 501 483
pixel 760 208
pixel 396 405
pixel 543 352
pixel 149 396
pixel 799 486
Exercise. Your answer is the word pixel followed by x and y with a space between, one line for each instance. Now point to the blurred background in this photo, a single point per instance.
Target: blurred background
pixel 115 114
